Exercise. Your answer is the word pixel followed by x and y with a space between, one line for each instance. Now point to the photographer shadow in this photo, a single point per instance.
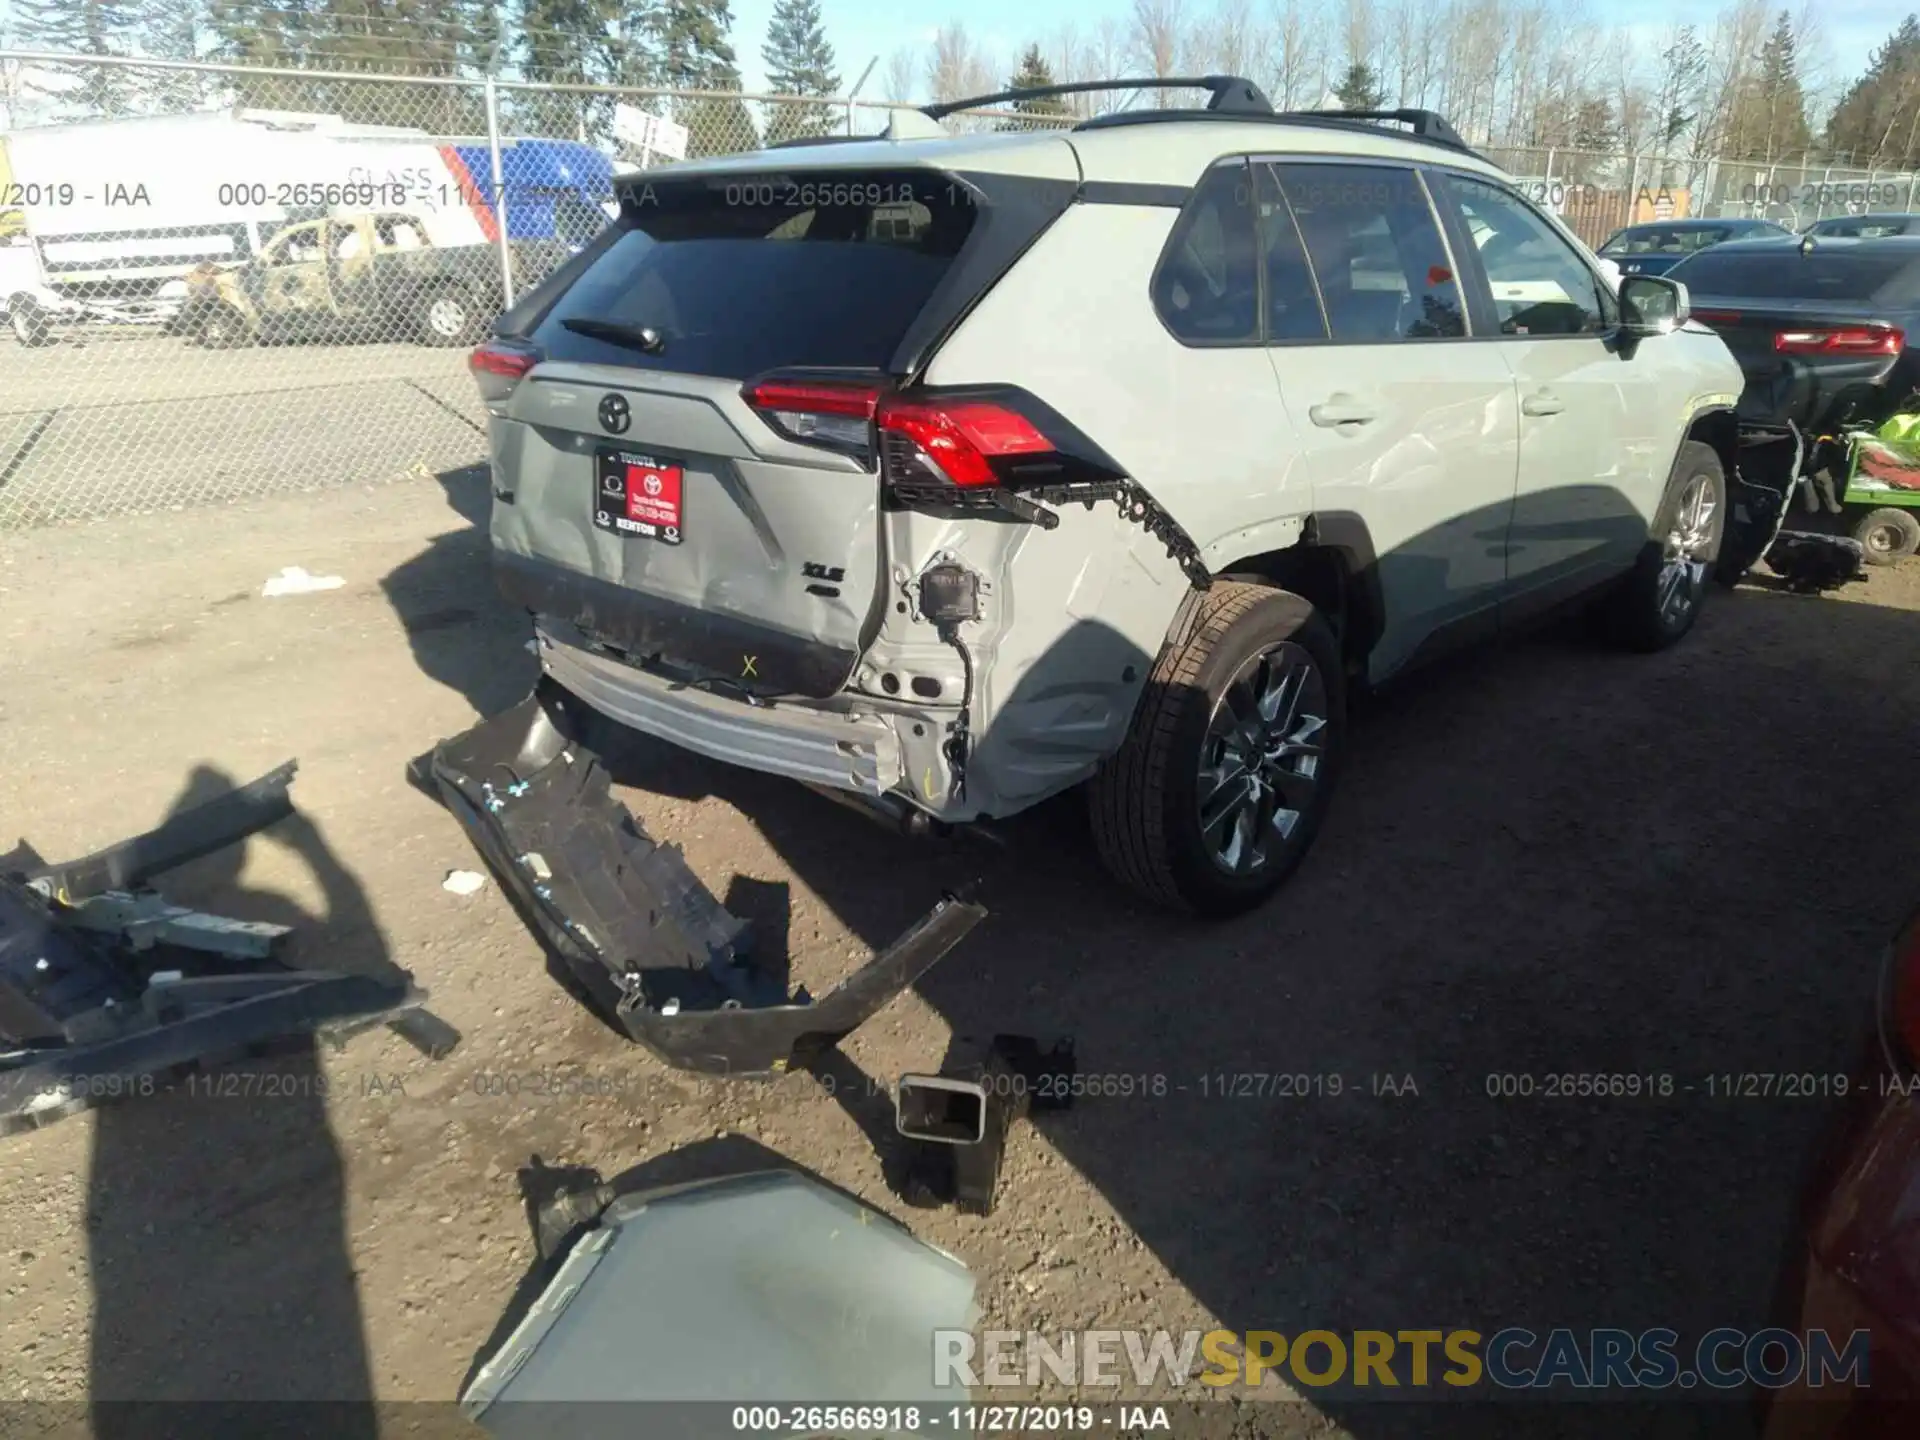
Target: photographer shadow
pixel 224 1295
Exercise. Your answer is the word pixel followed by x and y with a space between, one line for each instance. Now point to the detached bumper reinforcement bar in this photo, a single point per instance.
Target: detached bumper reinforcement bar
pixel 628 918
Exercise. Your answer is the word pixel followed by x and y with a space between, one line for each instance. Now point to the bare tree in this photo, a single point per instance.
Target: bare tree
pixel 1730 54
pixel 901 80
pixel 1066 55
pixel 1227 42
pixel 1108 57
pixel 957 67
pixel 1160 39
pixel 1362 34
pixel 1298 63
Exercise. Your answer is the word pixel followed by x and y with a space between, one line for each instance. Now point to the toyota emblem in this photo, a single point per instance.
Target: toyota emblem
pixel 614 414
pixel 651 484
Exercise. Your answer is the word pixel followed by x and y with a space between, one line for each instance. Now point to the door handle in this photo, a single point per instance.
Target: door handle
pixel 1340 410
pixel 1542 402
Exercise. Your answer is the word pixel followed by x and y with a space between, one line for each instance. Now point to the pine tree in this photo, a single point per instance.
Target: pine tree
pixel 1770 112
pixel 565 42
pixel 1034 74
pixel 1875 121
pixel 1683 73
pixel 799 62
pixel 174 30
pixel 1361 89
pixel 696 54
pixel 1593 126
pixel 84 27
pixel 695 51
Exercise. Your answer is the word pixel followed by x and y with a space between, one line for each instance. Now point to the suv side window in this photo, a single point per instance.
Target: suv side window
pixel 1540 284
pixel 1206 286
pixel 1294 311
pixel 1382 268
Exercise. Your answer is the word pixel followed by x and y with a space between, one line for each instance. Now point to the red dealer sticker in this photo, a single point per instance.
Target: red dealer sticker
pixel 638 495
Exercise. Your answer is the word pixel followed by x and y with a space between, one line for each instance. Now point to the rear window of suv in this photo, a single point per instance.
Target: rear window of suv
pixel 747 273
pixel 1776 274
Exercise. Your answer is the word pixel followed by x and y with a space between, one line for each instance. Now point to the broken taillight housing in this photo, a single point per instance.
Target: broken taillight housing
pixel 954 442
pixel 831 414
pixel 498 366
pixel 922 440
pixel 1841 340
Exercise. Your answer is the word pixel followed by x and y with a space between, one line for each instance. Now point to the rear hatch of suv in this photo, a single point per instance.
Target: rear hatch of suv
pixel 1817 333
pixel 682 429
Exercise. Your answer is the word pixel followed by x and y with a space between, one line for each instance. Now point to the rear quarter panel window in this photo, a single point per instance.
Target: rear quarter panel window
pixel 1206 287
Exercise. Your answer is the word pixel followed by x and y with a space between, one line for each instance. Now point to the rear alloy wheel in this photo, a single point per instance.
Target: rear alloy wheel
pixel 447 316
pixel 1661 598
pixel 1259 767
pixel 1888 535
pixel 1226 773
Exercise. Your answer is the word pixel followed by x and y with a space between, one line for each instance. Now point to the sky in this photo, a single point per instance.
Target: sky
pixel 859 30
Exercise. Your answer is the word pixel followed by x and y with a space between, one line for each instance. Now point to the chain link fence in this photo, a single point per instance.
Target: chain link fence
pixel 224 282
pixel 1598 192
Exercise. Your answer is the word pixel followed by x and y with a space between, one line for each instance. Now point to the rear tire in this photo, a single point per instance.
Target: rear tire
pixel 1225 775
pixel 29 321
pixel 1888 535
pixel 1659 601
pixel 447 315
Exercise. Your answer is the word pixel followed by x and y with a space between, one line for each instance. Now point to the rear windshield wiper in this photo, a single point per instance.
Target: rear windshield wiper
pixel 635 337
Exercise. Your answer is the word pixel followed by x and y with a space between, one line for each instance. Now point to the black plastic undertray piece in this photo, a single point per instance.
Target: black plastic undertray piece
pixel 631 922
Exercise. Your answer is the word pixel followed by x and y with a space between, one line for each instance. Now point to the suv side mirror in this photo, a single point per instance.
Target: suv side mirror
pixel 1653 304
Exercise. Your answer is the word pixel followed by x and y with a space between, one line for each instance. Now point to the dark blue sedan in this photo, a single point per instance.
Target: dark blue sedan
pixel 1656 247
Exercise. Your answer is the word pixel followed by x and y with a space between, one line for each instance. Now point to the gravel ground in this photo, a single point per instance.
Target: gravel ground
pixel 1548 859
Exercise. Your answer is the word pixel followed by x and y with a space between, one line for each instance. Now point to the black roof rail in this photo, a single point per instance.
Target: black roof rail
pixel 1230 94
pixel 1430 130
pixel 1426 124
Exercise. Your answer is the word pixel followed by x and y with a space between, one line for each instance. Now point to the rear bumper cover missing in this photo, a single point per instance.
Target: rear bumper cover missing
pixel 631 921
pixel 817 747
pixel 757 657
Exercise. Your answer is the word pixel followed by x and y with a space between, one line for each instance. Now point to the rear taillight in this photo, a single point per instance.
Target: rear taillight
pixel 835 415
pixel 1716 317
pixel 1841 340
pixel 952 442
pixel 498 367
pixel 922 439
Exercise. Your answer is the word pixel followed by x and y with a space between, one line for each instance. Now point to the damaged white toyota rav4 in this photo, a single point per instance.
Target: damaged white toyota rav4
pixel 949 471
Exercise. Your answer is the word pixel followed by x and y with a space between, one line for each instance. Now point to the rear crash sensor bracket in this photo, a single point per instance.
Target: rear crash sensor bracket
pixel 959 1118
pixel 631 922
